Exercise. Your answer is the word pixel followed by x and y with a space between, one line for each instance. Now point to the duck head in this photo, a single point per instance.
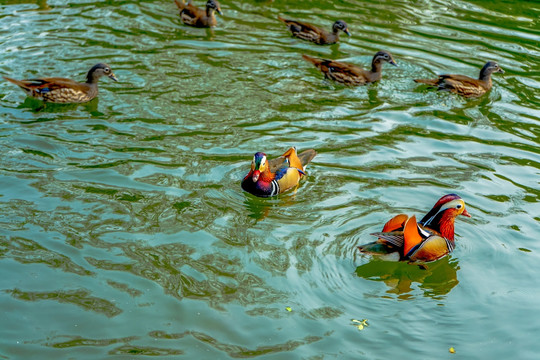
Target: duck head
pixel 341 25
pixel 258 165
pixel 441 217
pixel 98 71
pixel 490 68
pixel 384 56
pixel 213 4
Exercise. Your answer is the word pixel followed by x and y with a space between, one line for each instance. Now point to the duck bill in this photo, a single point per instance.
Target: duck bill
pixel 393 62
pixel 465 213
pixel 219 12
pixel 255 175
pixel 500 71
pixel 113 77
pixel 346 31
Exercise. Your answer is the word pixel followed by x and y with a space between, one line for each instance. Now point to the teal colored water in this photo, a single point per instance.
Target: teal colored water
pixel 124 232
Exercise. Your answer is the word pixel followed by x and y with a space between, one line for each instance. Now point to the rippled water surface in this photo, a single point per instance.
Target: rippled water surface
pixel 124 231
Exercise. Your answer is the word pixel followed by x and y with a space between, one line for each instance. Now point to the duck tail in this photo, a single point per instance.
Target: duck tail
pixel 23 84
pixel 180 4
pixel 306 156
pixel 432 82
pixel 315 61
pixel 16 82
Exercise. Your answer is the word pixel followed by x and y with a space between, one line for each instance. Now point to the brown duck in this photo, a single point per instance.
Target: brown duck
pixel 350 74
pixel 61 90
pixel 314 34
pixel 464 85
pixel 194 16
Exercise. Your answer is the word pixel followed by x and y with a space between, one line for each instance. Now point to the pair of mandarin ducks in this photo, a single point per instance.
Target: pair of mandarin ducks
pixel 402 238
pixel 349 74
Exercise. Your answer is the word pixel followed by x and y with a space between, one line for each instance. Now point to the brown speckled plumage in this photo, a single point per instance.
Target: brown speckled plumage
pixel 62 90
pixel 350 74
pixel 314 34
pixel 464 85
pixel 193 16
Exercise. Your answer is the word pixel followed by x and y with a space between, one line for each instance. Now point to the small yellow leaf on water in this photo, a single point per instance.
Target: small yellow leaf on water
pixel 361 323
pixel 288 308
pixel 452 350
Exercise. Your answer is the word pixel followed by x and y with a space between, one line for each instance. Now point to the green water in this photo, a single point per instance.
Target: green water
pixel 124 232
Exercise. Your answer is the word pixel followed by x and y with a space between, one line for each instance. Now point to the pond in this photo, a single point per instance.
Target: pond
pixel 124 231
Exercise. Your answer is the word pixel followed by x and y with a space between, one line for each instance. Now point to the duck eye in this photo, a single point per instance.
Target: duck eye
pixel 458 206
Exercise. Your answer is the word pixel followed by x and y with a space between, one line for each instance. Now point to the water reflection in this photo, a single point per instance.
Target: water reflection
pixel 260 208
pixel 42 4
pixel 36 106
pixel 435 279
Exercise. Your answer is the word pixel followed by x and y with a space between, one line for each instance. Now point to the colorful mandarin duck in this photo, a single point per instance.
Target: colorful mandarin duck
pixel 464 85
pixel 61 90
pixel 428 240
pixel 194 16
pixel 314 34
pixel 350 74
pixel 269 178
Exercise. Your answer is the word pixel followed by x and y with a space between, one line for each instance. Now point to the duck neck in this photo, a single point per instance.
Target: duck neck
pixel 267 176
pixel 443 224
pixel 209 11
pixel 447 227
pixel 485 74
pixel 376 65
pixel 91 77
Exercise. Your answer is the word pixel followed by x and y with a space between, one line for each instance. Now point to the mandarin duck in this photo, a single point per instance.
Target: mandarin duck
pixel 350 74
pixel 194 16
pixel 269 178
pixel 314 34
pixel 428 240
pixel 61 90
pixel 464 85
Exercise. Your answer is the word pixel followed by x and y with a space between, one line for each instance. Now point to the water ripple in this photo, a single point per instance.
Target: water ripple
pixel 129 207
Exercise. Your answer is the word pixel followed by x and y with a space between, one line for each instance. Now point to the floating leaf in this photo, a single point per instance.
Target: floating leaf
pixel 360 324
pixel 288 308
pixel 452 350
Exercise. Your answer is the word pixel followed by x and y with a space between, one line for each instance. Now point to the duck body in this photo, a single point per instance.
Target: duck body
pixel 193 16
pixel 309 32
pixel 349 74
pixel 62 90
pixel 464 85
pixel 403 238
pixel 269 178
